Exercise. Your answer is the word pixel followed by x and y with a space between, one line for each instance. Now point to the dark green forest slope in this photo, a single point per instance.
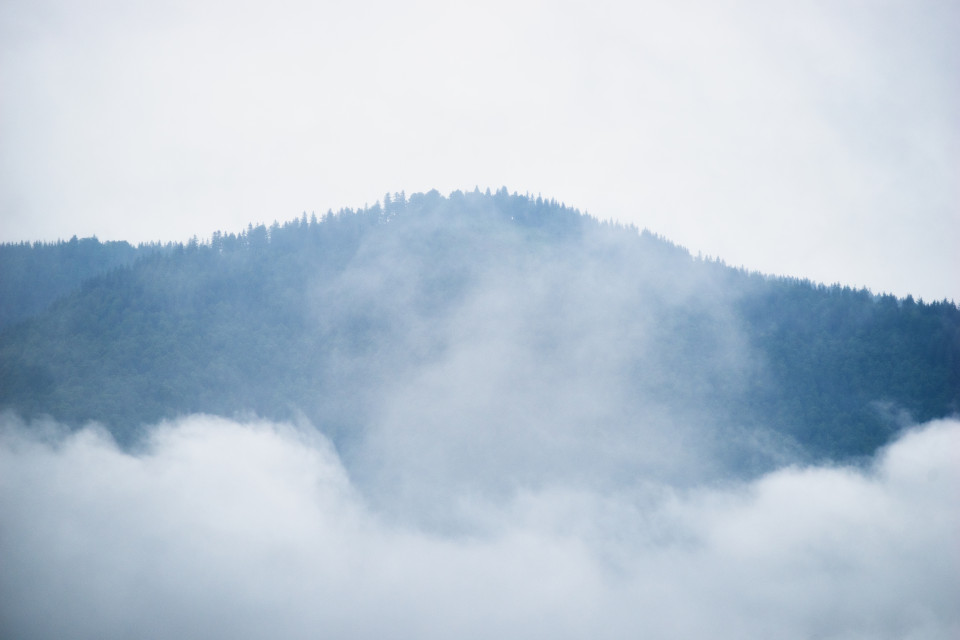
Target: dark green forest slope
pixel 520 307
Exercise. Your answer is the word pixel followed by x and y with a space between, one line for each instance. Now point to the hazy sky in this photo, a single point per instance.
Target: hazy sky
pixel 818 139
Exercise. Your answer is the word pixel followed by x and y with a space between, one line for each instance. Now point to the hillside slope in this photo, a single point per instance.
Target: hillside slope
pixel 33 275
pixel 487 314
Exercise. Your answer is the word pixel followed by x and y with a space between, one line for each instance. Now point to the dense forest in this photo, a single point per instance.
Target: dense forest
pixel 32 275
pixel 481 309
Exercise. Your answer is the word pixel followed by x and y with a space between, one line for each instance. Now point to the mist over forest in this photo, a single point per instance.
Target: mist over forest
pixel 479 415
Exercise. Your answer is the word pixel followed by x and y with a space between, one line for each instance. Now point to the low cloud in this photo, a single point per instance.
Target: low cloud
pixel 254 530
pixel 489 361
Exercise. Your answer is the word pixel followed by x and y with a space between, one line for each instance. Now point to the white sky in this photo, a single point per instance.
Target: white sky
pixel 819 139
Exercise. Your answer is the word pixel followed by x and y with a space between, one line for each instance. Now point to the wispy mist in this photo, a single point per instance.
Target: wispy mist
pixel 509 361
pixel 255 530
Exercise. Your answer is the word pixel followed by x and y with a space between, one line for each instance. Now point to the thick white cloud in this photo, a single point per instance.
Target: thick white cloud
pixel 255 530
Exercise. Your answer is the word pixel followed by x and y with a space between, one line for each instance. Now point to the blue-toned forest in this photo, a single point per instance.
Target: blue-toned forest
pixel 545 311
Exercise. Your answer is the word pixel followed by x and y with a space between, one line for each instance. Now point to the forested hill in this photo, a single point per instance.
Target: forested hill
pixel 478 312
pixel 33 275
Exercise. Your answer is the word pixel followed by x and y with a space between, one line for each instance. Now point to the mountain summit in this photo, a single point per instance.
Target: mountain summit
pixel 481 316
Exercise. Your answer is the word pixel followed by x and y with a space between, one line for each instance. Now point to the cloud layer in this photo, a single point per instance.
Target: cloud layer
pixel 255 530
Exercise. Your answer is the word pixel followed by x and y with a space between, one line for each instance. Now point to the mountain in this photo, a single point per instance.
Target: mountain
pixel 33 275
pixel 481 315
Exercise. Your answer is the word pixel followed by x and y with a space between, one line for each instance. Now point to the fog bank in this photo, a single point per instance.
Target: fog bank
pixel 254 530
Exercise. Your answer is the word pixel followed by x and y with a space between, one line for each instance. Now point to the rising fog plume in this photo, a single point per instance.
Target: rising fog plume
pixel 524 363
pixel 219 529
